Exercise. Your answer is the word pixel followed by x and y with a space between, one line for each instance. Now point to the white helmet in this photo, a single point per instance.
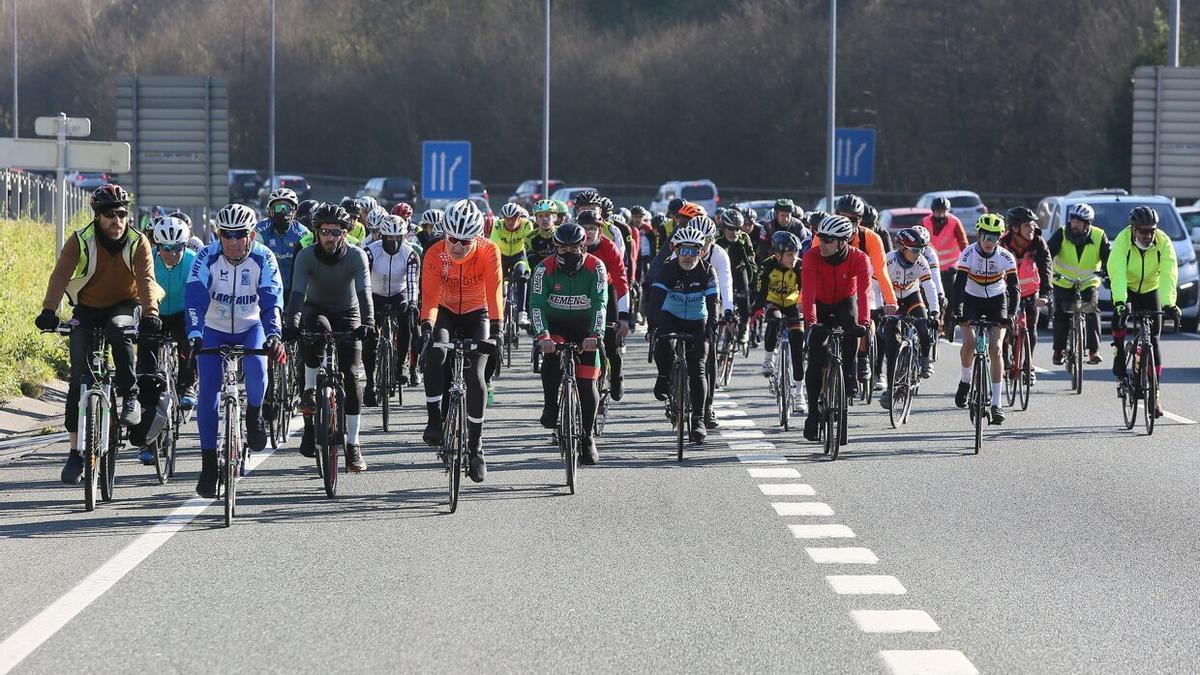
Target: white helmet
pixel 170 230
pixel 705 225
pixel 377 217
pixel 512 210
pixel 687 235
pixel 366 204
pixel 838 227
pixel 433 217
pixel 393 226
pixel 618 218
pixel 236 217
pixel 283 195
pixel 464 220
pixel 1082 212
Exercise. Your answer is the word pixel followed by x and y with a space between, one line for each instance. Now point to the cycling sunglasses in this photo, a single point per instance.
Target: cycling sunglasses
pixel 283 207
pixel 235 234
pixel 461 243
pixel 690 251
pixel 1146 231
pixel 115 213
pixel 331 231
pixel 171 248
pixel 989 237
pixel 829 239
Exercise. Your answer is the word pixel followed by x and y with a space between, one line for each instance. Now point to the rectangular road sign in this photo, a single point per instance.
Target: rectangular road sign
pixel 42 153
pixel 77 127
pixel 854 159
pixel 445 169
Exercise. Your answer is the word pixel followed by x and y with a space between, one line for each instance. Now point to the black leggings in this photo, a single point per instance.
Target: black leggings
pixel 845 315
pixel 469 326
pixel 589 387
pixel 1062 317
pixel 349 353
pixel 790 315
pixel 116 320
pixel 397 305
pixel 1139 302
pixel 697 355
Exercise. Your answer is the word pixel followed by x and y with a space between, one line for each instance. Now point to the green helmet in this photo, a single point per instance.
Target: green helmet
pixel 560 207
pixel 991 223
pixel 785 204
pixel 545 206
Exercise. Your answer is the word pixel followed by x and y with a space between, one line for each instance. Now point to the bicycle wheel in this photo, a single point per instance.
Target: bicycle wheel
pixel 1025 386
pixel 837 412
pixel 383 380
pixel 976 401
pixel 1077 353
pixel 91 451
pixel 510 337
pixel 172 447
pixel 232 454
pixel 273 401
pixel 1127 390
pixel 602 412
pixel 785 386
pixel 914 386
pixel 327 439
pixel 108 457
pixel 1012 368
pixel 569 432
pixel 452 447
pixel 679 392
pixel 1149 387
pixel 900 384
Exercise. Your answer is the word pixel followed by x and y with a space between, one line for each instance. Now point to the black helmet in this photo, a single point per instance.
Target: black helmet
pixel 637 210
pixel 674 205
pixel 849 203
pixel 657 220
pixel 587 198
pixel 107 196
pixel 870 216
pixel 732 218
pixel 785 241
pixel 330 214
pixel 1018 215
pixel 587 218
pixel 182 216
pixel 940 204
pixel 1143 216
pixel 351 207
pixel 606 206
pixel 305 208
pixel 815 217
pixel 569 234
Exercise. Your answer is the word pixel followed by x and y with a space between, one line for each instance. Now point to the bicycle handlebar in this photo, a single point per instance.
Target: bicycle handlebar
pixel 233 350
pixel 466 345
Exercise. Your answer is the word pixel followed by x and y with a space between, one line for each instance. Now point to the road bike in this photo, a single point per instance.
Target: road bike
pixel 454 427
pixel 1139 384
pixel 389 366
pixel 1073 354
pixel 231 460
pixel 1018 359
pixel 569 432
pixel 980 394
pixel 832 402
pixel 330 415
pixel 679 401
pixel 905 382
pixel 280 401
pixel 727 348
pixel 781 384
pixel 165 443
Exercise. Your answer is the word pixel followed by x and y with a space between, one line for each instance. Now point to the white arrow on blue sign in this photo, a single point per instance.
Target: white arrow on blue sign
pixel 445 169
pixel 854 158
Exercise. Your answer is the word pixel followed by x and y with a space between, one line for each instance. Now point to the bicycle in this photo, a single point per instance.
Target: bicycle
pixel 679 401
pixel 605 396
pixel 281 397
pixel 1140 382
pixel 832 402
pixel 906 374
pixel 330 421
pixel 780 383
pixel 1073 354
pixel 454 427
pixel 866 377
pixel 569 432
pixel 979 395
pixel 511 331
pixel 727 348
pixel 1018 364
pixel 387 365
pixel 164 445
pixel 231 460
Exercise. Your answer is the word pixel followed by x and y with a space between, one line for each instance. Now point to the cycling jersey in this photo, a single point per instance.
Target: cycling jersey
pixel 333 283
pixel 935 268
pixel 173 280
pixel 607 252
pixel 1132 270
pixel 871 244
pixel 830 282
pixel 778 285
pixel 988 274
pixel 512 242
pixel 285 246
pixel 909 279
pixel 233 298
pixel 683 294
pixel 462 287
pixel 578 299
pixel 396 273
pixel 540 246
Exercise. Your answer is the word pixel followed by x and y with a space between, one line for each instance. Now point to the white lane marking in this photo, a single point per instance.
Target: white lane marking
pixel 761 459
pixel 730 411
pixel 773 472
pixel 735 424
pixel 842 555
pixel 750 445
pixel 743 433
pixel 1178 418
pixel 1040 370
pixel 821 531
pixel 894 621
pixel 865 584
pixel 802 508
pixel 49 621
pixel 786 489
pixel 724 404
pixel 928 662
pixel 720 394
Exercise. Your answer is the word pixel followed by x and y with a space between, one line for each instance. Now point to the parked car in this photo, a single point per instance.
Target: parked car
pixel 567 194
pixel 389 190
pixel 530 192
pixel 89 180
pixel 1112 215
pixel 963 203
pixel 299 184
pixel 244 185
pixel 702 192
pixel 1191 224
pixel 894 220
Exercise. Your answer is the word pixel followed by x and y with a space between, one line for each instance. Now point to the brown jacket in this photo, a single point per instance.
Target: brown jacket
pixel 113 282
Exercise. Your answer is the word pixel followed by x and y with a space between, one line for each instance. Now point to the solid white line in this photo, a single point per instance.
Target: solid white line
pixel 821 531
pixel 761 459
pixel 928 662
pixel 724 404
pixel 773 472
pixel 750 445
pixel 865 584
pixel 786 489
pixel 1178 418
pixel 720 394
pixel 802 508
pixel 894 621
pixel 842 555
pixel 1040 370
pixel 739 422
pixel 743 433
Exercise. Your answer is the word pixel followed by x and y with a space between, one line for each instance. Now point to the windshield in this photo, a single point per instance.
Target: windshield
pixel 964 201
pixel 908 220
pixel 697 193
pixel 1113 217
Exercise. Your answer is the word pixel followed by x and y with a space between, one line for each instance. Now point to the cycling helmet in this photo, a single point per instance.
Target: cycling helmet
pixel 512 210
pixel 618 219
pixel 187 220
pixel 587 198
pixel 625 213
pixel 1019 214
pixel 674 205
pixel 783 241
pixel 940 204
pixel 838 227
pixel 588 219
pixel 403 209
pixel 330 214
pixel 377 218
pixel 1143 216
pixel 705 225
pixel 1082 212
pixel 464 220
pixel 637 211
pixel 351 206
pixel 560 207
pixel 690 210
pixel 784 204
pixel 236 217
pixel 283 195
pixel 910 237
pixel 432 217
pixel 732 218
pixel 389 225
pixel 656 220
pixel 870 216
pixel 107 196
pixel 366 203
pixel 305 208
pixel 849 203
pixel 815 217
pixel 543 206
pixel 170 230
pixel 990 223
pixel 687 236
pixel 569 234
pixel 606 206
pixel 922 233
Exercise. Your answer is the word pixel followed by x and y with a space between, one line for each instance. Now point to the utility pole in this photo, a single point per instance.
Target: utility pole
pixel 831 125
pixel 271 109
pixel 546 114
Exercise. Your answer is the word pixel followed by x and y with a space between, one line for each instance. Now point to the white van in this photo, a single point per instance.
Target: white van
pixel 702 192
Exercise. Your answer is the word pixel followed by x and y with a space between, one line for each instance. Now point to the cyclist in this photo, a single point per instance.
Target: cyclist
pixel 431 221
pixel 194 243
pixel 910 274
pixel 404 210
pixel 280 232
pixel 569 294
pixel 234 292
pixel 1080 251
pixel 870 220
pixel 304 213
pixel 106 272
pixel 618 299
pixel 935 269
pixel 948 237
pixel 718 259
pixel 836 278
pixel 511 238
pixel 985 287
pixel 376 218
pixel 673 220
pixel 541 242
pixel 682 215
pixel 742 266
pixel 1143 271
pixel 682 300
pixel 785 216
pixel 354 235
pixel 779 291
pixel 461 297
pixel 395 271
pixel 852 207
pixel 354 208
pixel 1024 239
pixel 331 291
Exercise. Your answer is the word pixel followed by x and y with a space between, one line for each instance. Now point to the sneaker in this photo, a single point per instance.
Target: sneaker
pixel 997 414
pixel 187 399
pixel 960 396
pixel 491 395
pixel 710 421
pixel 131 411
pixel 206 484
pixel 662 387
pixel 880 382
pixel 698 432
pixel 800 402
pixel 146 457
pixel 308 401
pixel 617 388
pixel 433 433
pixel 885 399
pixel 414 376
pixel 812 427
pixel 355 462
pixel 549 418
pixel 369 398
pixel 523 319
pixel 72 471
pixel 1095 358
pixel 308 441
pixel 587 451
pixel 926 368
pixel 476 466
pixel 1058 357
pixel 256 431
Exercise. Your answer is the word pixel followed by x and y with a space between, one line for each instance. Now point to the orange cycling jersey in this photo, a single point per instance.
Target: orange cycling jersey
pixel 873 247
pixel 464 287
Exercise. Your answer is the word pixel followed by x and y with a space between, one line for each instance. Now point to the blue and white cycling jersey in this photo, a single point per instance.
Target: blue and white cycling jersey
pixel 285 246
pixel 233 298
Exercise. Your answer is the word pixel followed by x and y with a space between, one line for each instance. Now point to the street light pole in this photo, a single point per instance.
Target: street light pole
pixel 831 130
pixel 16 119
pixel 546 114
pixel 1173 41
pixel 271 108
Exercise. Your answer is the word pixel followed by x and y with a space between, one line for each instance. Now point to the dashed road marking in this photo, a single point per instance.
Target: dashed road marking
pixel 928 662
pixel 743 433
pixel 735 423
pixel 843 555
pixel 821 531
pixel 730 409
pixel 762 459
pixel 802 508
pixel 773 472
pixel 1040 370
pixel 894 621
pixel 865 584
pixel 786 489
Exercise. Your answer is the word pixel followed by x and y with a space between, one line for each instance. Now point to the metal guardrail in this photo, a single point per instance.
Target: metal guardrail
pixel 32 195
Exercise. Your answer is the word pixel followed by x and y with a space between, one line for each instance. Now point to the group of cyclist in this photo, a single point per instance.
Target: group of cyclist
pixel 584 275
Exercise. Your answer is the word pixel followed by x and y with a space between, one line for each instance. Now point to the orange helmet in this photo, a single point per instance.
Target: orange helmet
pixel 691 210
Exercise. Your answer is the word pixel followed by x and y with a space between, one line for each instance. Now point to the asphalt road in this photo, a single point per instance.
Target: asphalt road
pixel 1067 545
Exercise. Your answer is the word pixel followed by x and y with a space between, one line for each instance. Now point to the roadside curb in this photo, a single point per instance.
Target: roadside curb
pixel 24 421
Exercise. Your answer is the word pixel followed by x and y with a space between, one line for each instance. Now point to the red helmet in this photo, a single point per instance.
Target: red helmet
pixel 691 210
pixel 403 210
pixel 107 196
